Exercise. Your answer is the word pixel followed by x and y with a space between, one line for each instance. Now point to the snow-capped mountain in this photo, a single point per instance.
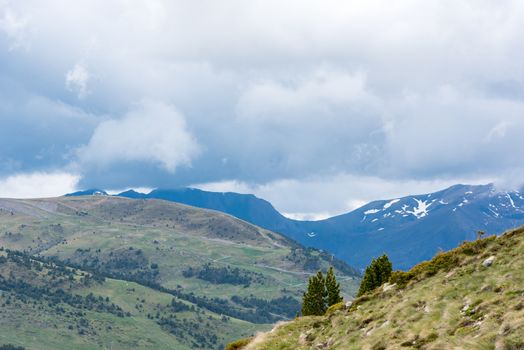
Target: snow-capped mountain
pixel 409 229
pixel 414 228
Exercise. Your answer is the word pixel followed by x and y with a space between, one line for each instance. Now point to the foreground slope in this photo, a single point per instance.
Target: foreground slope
pixel 455 301
pixel 246 276
pixel 409 229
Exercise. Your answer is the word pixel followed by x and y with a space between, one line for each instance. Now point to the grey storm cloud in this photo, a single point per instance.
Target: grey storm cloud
pixel 172 93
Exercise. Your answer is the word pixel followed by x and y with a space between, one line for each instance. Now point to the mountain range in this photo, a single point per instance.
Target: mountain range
pixel 409 229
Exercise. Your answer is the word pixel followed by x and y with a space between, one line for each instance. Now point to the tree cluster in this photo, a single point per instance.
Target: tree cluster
pixel 11 347
pixel 322 292
pixel 223 275
pixel 282 307
pixel 377 273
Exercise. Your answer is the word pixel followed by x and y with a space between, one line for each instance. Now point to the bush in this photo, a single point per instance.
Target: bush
pixel 335 307
pixel 475 247
pixel 441 262
pixel 400 278
pixel 238 344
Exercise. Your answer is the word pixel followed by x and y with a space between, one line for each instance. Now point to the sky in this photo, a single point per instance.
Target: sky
pixel 317 106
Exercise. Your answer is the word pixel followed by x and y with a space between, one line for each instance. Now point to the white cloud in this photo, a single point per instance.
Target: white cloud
pixel 38 184
pixel 15 28
pixel 308 216
pixel 153 132
pixel 77 79
pixel 136 189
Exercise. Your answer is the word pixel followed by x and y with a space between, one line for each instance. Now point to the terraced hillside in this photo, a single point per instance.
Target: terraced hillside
pixel 166 266
pixel 469 298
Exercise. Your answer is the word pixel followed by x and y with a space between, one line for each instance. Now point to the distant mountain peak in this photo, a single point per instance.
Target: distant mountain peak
pixel 89 192
pixel 132 194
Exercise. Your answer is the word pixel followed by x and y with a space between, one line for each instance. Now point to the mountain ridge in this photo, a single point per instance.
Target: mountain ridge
pixel 398 226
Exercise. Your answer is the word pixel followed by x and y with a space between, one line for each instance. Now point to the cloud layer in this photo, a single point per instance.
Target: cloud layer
pixel 170 93
pixel 37 184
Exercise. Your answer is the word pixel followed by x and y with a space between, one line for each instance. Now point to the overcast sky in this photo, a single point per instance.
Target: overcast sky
pixel 317 106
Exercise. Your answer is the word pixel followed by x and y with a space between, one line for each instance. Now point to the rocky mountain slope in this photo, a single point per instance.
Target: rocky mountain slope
pixel 168 267
pixel 469 298
pixel 409 229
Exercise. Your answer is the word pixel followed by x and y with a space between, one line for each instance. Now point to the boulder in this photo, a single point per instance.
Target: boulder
pixel 489 261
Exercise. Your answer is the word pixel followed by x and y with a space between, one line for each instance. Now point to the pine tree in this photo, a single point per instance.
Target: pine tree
pixel 314 302
pixel 377 273
pixel 332 288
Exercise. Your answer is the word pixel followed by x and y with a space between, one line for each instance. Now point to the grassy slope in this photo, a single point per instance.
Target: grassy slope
pixel 33 323
pixel 452 302
pixel 186 237
pixel 171 235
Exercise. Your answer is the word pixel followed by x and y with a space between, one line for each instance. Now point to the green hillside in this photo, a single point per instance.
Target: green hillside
pixel 469 298
pixel 45 306
pixel 178 276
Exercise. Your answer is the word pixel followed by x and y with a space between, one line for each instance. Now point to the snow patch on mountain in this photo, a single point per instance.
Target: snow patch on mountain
pixel 389 204
pixel 494 212
pixel 371 211
pixel 464 202
pixel 511 200
pixel 421 210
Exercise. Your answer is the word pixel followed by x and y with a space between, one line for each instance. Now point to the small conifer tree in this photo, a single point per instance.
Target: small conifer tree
pixel 321 293
pixel 332 288
pixel 314 302
pixel 377 273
